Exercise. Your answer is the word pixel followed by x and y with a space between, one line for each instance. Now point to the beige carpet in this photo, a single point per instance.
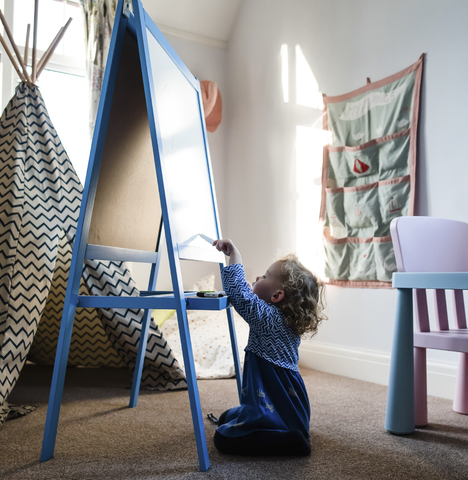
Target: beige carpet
pixel 100 438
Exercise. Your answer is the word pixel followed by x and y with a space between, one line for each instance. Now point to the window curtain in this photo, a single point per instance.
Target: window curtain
pixel 98 18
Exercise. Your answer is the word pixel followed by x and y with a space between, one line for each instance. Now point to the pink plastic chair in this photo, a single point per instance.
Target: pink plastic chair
pixel 425 244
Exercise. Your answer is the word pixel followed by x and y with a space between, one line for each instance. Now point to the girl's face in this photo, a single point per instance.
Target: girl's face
pixel 268 286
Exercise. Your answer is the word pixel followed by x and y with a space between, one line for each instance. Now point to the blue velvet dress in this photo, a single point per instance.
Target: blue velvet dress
pixel 273 399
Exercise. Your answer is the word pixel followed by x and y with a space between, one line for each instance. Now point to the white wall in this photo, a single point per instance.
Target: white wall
pixel 344 42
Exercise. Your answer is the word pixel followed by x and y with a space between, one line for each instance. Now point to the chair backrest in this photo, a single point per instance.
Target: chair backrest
pixel 427 244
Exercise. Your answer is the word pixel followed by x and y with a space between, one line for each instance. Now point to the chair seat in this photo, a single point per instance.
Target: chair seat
pixel 453 340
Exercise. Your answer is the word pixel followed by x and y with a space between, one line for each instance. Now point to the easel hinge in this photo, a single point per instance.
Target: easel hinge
pixel 127 8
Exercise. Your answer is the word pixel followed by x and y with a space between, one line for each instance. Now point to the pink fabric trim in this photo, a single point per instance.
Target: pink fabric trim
pixel 355 284
pixel 370 143
pixel 370 186
pixel 372 86
pixel 325 113
pixel 414 129
pixel 338 241
pixel 323 204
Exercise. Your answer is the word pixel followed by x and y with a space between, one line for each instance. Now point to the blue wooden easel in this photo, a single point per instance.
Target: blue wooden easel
pixel 167 95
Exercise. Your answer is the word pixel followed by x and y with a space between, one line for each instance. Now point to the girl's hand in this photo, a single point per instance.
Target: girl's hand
pixel 229 249
pixel 226 246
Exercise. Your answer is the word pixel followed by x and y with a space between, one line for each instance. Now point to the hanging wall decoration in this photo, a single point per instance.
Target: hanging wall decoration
pixel 368 176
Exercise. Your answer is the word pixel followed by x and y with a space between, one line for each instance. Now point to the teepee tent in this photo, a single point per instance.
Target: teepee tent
pixel 40 197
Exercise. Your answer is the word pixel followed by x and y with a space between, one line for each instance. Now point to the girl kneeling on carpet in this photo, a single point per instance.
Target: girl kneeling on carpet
pixel 285 303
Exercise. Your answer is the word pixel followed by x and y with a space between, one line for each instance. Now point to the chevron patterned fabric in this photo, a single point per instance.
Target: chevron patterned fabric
pixel 90 345
pixel 40 202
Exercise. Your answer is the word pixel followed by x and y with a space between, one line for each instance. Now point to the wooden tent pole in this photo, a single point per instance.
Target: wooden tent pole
pixel 34 50
pixel 46 53
pixel 15 48
pixel 12 58
pixel 26 45
pixel 50 51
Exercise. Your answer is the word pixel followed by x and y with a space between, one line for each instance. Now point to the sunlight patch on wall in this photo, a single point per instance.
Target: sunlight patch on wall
pixel 307 89
pixel 310 140
pixel 309 153
pixel 285 72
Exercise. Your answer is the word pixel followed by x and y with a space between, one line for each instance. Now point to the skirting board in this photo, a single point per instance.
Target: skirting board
pixel 371 366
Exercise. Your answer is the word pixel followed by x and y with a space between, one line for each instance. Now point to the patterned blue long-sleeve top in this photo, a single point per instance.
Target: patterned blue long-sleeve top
pixel 269 337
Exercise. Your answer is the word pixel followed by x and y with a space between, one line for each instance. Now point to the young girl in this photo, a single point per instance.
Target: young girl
pixel 274 414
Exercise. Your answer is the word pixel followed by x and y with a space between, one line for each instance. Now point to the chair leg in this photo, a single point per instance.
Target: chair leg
pixel 399 417
pixel 460 401
pixel 420 387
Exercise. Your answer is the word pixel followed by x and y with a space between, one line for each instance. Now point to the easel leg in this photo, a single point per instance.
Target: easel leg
pixel 58 379
pixel 235 352
pixel 399 418
pixel 140 360
pixel 191 376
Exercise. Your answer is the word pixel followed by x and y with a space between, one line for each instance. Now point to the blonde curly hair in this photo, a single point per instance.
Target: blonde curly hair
pixel 304 294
